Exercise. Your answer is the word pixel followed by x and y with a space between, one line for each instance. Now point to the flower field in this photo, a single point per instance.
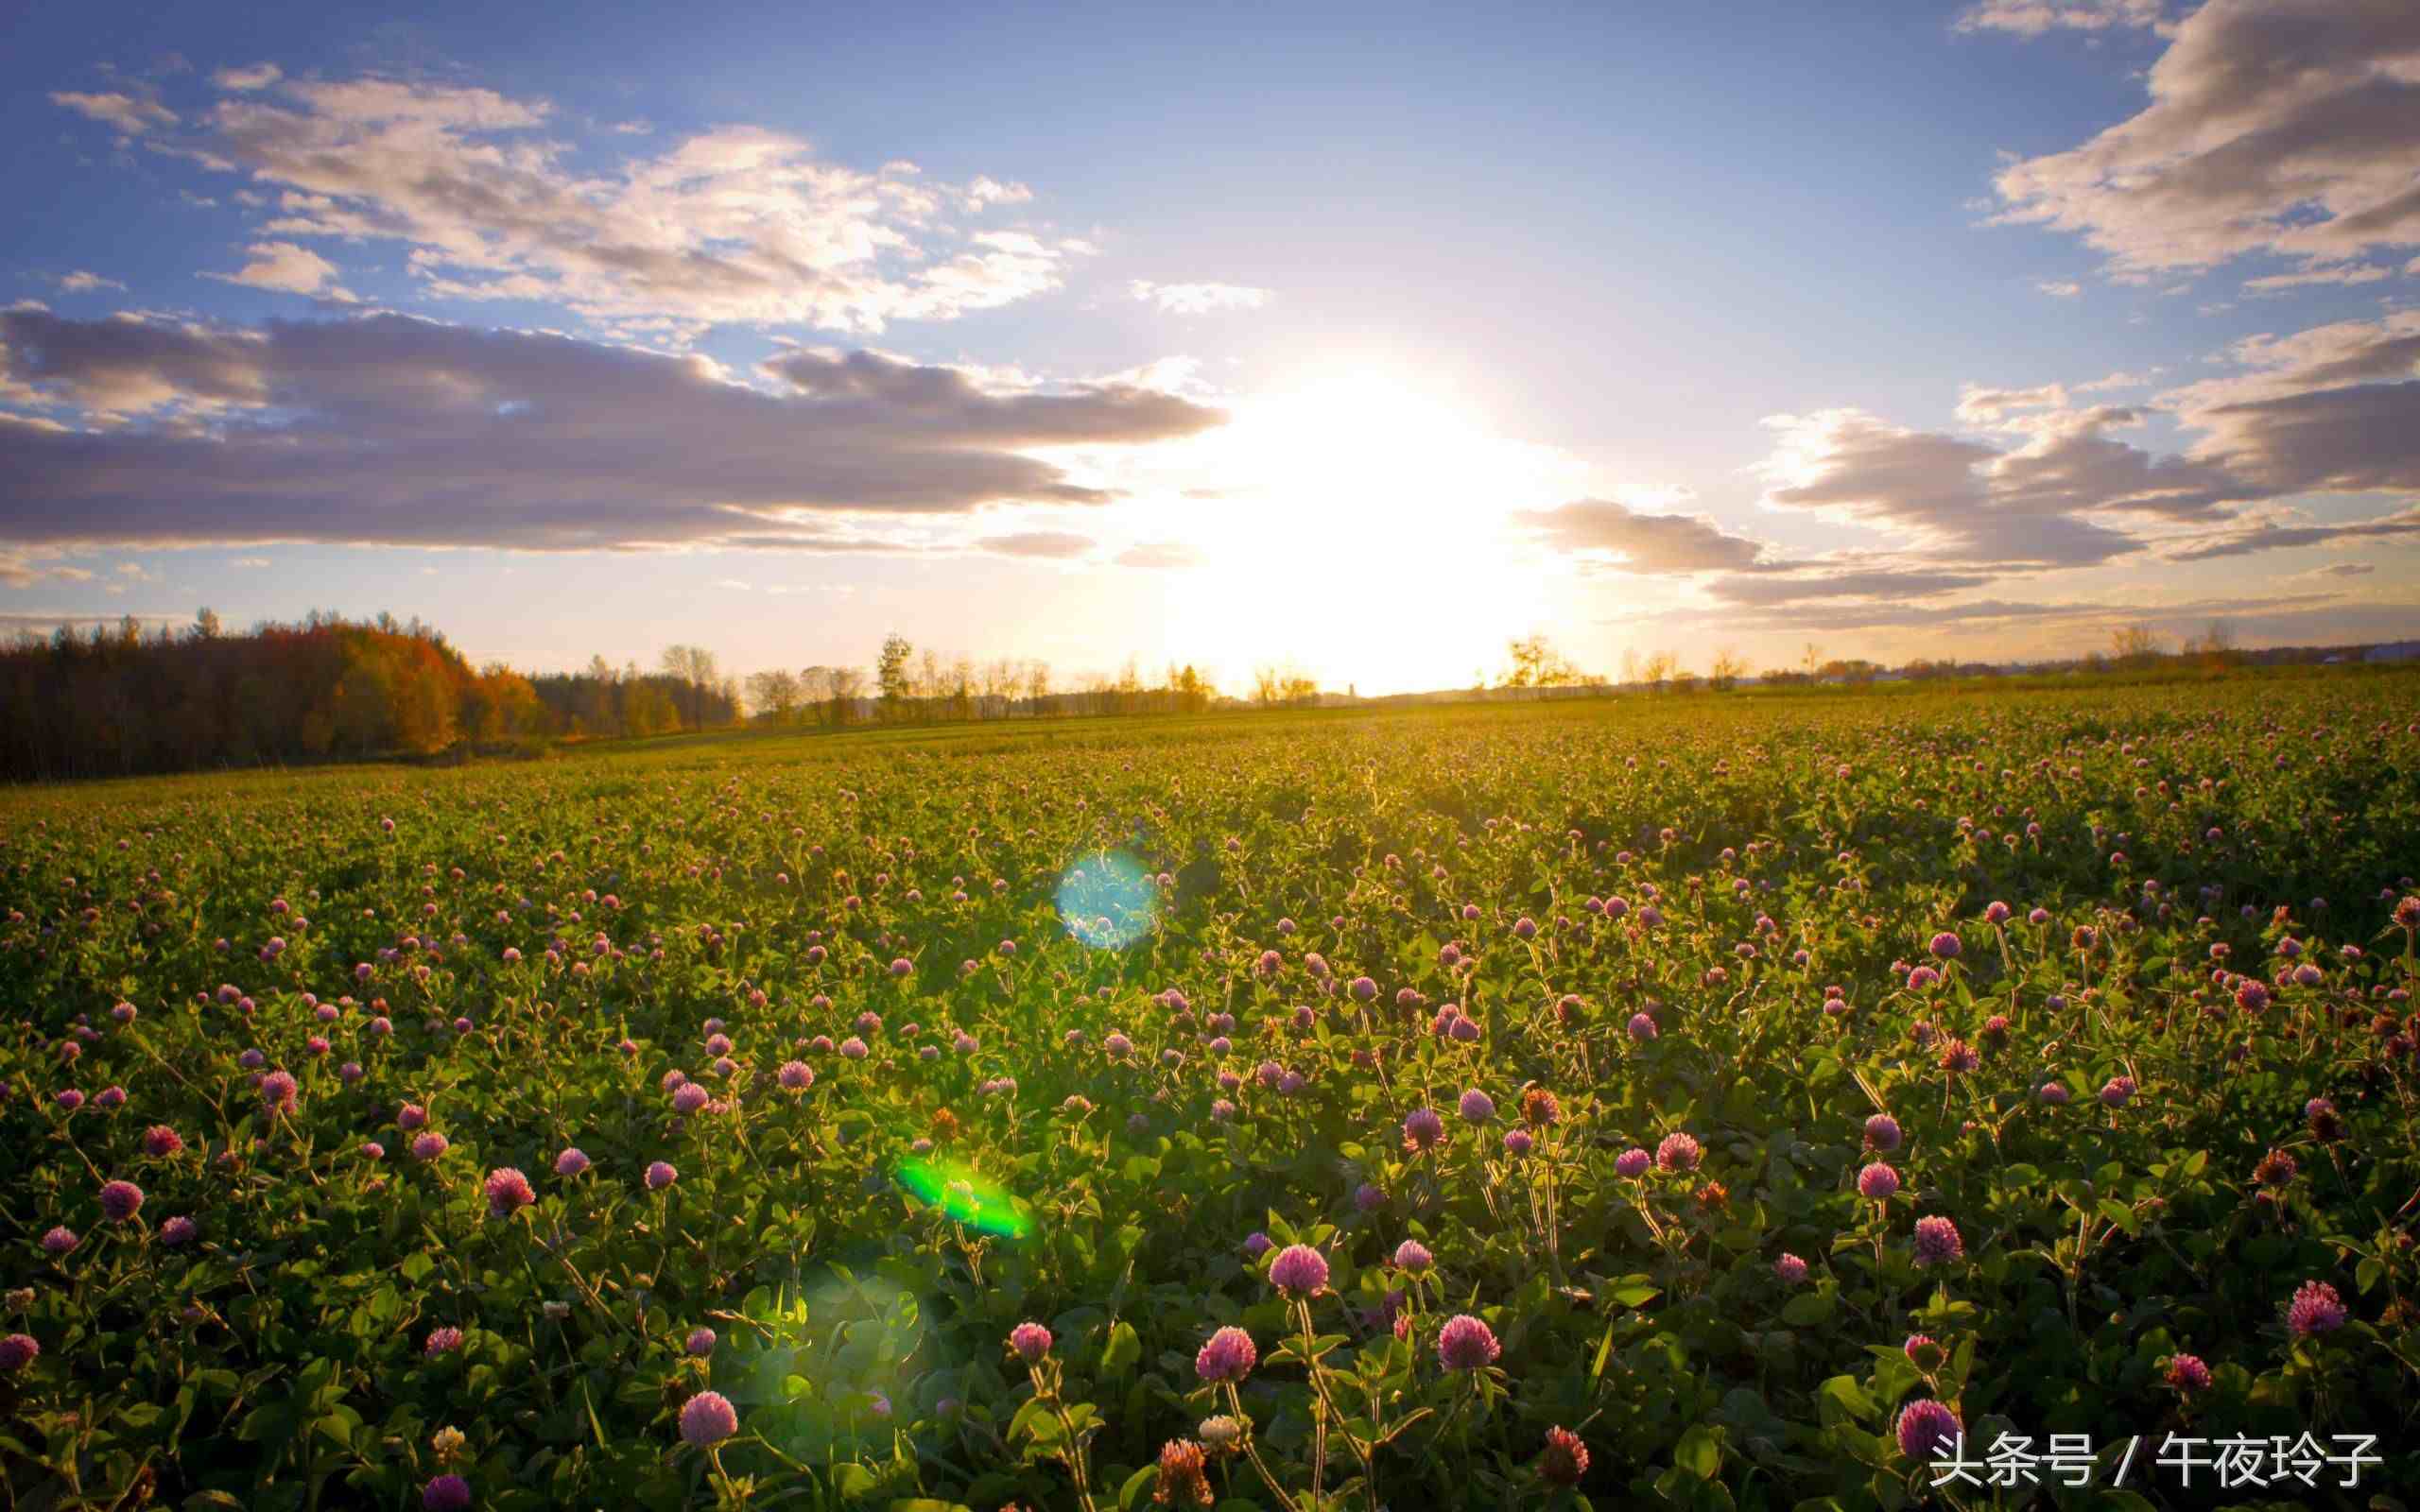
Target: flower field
pixel 1713 1102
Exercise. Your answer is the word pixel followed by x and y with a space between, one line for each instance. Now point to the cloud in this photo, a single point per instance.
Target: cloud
pixel 386 430
pixel 130 115
pixel 985 192
pixel 1968 502
pixel 1643 544
pixel 2313 274
pixel 734 225
pixel 2334 409
pixel 2060 288
pixel 2288 128
pixel 2003 617
pixel 249 561
pixel 26 622
pixel 23 568
pixel 290 269
pixel 1198 299
pixel 80 282
pixel 1988 407
pixel 1159 556
pixel 260 76
pixel 1805 582
pixel 2340 569
pixel 2275 536
pixel 2331 410
pixel 2032 18
pixel 2121 380
pixel 1050 545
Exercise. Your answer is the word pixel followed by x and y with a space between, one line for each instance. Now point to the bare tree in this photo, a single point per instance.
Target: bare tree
pixel 962 687
pixel 775 695
pixel 999 686
pixel 847 685
pixel 1727 670
pixel 2214 646
pixel 1658 668
pixel 2134 646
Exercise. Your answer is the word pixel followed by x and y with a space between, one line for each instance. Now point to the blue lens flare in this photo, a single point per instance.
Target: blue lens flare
pixel 1108 900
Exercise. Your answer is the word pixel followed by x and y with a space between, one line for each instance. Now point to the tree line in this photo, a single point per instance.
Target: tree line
pixel 920 685
pixel 124 700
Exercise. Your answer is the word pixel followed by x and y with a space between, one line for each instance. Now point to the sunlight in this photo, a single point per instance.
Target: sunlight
pixel 1365 534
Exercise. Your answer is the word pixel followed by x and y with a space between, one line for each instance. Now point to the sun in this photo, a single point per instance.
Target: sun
pixel 1365 534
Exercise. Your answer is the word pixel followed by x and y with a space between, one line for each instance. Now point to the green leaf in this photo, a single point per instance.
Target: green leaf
pixel 852 1479
pixel 1136 1486
pixel 1124 1348
pixel 1842 1397
pixel 1700 1452
pixel 1808 1309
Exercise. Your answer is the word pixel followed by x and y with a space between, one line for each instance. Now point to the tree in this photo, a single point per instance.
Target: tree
pixel 999 684
pixel 2214 647
pixel 775 694
pixel 1727 670
pixel 1037 682
pixel 2134 646
pixel 1658 668
pixel 1533 663
pixel 891 674
pixel 847 685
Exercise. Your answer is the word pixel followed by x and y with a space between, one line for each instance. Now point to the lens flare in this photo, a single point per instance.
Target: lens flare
pixel 966 1195
pixel 1107 899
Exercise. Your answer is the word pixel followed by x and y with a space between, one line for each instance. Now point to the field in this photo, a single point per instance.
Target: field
pixel 1698 1102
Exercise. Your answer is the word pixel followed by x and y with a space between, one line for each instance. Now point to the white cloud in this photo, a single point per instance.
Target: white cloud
pixel 1159 556
pixel 2032 18
pixel 2319 273
pixel 738 224
pixel 80 282
pixel 2286 129
pixel 1993 408
pixel 985 192
pixel 1198 299
pixel 2120 380
pixel 2060 288
pixel 1047 546
pixel 130 115
pixel 288 268
pixel 259 75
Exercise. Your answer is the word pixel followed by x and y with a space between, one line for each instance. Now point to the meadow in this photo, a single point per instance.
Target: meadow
pixel 1706 1103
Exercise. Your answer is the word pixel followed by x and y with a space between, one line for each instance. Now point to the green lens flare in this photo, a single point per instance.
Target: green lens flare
pixel 967 1195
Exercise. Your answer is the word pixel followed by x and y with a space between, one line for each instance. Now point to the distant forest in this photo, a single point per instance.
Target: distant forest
pixel 123 701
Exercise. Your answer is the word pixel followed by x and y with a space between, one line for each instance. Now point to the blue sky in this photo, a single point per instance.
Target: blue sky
pixel 1364 338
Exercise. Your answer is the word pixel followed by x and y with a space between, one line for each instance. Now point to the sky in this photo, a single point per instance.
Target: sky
pixel 1363 339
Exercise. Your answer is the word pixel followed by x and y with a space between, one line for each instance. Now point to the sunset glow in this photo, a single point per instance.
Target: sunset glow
pixel 1976 333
